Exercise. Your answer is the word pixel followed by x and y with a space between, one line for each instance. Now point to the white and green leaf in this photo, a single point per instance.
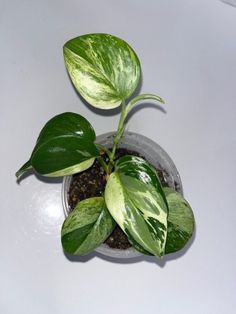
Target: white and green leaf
pixel 136 201
pixel 87 226
pixel 180 221
pixel 103 68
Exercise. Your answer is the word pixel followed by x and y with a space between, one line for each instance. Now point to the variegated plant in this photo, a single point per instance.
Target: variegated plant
pixel 106 71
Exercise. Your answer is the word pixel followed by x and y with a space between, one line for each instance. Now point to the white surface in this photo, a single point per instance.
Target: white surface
pixel 188 55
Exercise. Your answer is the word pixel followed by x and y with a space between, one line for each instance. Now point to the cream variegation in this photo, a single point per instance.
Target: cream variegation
pixel 115 200
pixel 180 221
pixel 134 198
pixel 87 226
pixel 103 68
pixel 84 165
pixel 105 71
pixel 63 155
pixel 86 79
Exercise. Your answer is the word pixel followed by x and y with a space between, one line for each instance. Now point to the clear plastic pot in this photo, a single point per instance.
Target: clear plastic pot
pixel 154 154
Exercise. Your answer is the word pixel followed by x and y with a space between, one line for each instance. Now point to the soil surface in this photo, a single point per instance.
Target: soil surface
pixel 92 182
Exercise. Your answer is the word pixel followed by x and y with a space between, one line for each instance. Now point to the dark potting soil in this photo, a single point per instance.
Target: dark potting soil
pixel 92 182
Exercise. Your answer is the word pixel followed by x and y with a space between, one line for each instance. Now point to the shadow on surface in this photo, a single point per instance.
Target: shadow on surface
pixel 144 258
pixel 48 180
pixel 231 3
pixel 24 176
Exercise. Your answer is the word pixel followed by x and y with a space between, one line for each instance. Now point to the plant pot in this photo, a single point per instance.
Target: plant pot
pixel 154 154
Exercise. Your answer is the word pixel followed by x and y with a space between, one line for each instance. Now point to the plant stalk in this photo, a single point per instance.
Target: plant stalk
pixel 104 165
pixel 119 133
pixel 139 98
pixel 121 126
pixel 104 149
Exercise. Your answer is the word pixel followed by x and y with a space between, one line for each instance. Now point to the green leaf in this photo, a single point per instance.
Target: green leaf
pixel 87 226
pixel 67 123
pixel 136 201
pixel 103 68
pixel 60 132
pixel 180 221
pixel 63 155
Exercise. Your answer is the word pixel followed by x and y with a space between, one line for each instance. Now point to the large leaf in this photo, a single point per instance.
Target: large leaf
pixel 136 201
pixel 65 146
pixel 63 155
pixel 67 123
pixel 104 69
pixel 87 226
pixel 180 221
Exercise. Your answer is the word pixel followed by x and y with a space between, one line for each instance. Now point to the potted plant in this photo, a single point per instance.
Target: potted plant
pixel 155 219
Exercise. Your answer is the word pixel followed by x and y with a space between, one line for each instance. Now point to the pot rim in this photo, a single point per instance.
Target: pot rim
pixel 104 249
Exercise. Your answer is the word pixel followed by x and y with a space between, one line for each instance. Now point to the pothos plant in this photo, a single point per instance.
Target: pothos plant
pixel 105 70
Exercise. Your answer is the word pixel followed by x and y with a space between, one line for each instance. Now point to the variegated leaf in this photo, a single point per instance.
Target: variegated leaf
pixel 136 201
pixel 103 68
pixel 180 221
pixel 61 132
pixel 87 226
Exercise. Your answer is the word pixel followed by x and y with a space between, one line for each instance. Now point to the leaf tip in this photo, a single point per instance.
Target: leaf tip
pixel 18 174
pixel 161 100
pixel 27 166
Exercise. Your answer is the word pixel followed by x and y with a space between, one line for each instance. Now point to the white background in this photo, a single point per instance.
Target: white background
pixel 188 55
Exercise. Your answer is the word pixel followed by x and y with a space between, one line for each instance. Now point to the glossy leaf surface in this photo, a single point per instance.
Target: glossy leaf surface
pixel 65 146
pixel 180 221
pixel 87 226
pixel 63 155
pixel 136 201
pixel 67 123
pixel 104 69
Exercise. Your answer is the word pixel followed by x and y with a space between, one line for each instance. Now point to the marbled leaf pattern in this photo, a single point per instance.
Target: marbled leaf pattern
pixel 103 68
pixel 136 201
pixel 180 221
pixel 87 226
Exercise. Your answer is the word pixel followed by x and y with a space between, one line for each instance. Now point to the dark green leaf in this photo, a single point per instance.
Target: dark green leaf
pixel 67 123
pixel 104 69
pixel 87 226
pixel 136 201
pixel 63 155
pixel 180 221
pixel 64 125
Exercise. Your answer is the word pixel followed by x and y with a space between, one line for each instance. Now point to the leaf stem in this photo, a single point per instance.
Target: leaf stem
pixel 105 149
pixel 135 100
pixel 121 126
pixel 103 164
pixel 119 133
